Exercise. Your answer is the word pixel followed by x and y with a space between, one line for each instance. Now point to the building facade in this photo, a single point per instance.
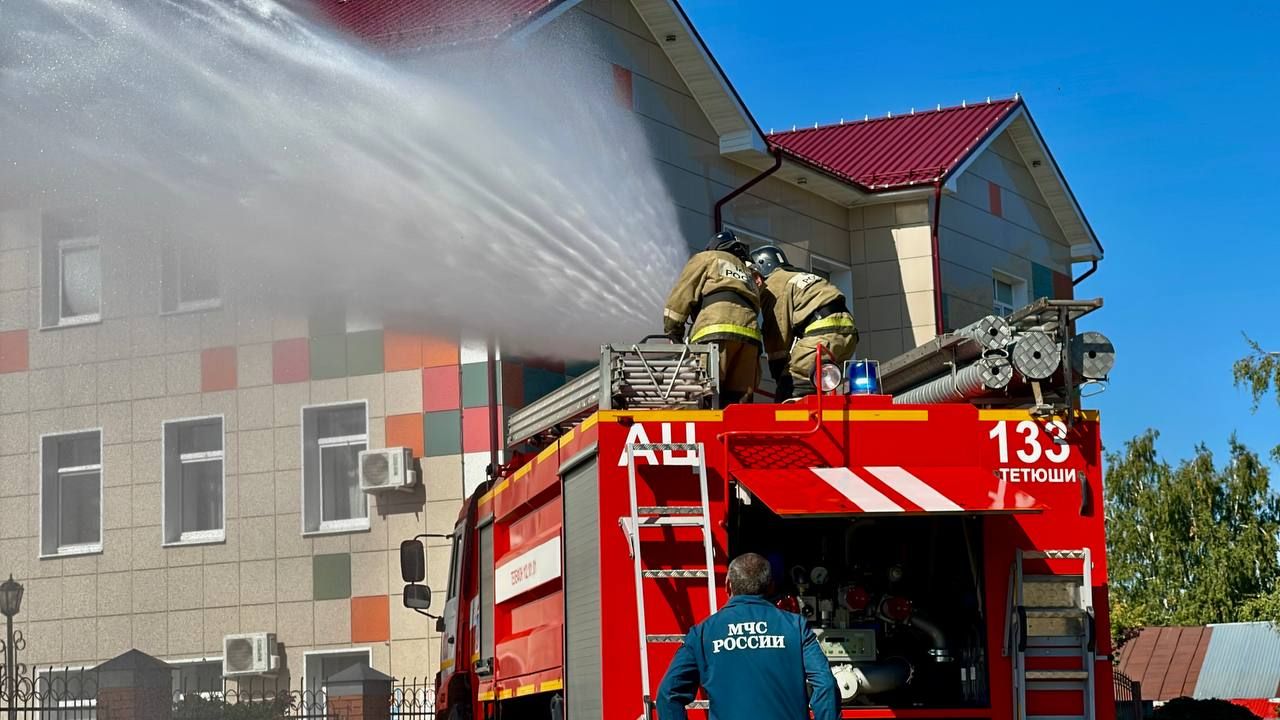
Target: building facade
pixel 177 465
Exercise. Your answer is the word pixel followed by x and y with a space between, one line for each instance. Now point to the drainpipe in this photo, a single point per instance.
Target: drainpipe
pixel 937 258
pixel 1092 269
pixel 717 222
pixel 493 408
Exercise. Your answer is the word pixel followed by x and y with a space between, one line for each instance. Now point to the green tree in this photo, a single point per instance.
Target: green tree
pixel 1191 544
pixel 1259 371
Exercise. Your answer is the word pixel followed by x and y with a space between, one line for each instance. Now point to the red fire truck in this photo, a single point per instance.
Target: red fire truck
pixel 949 556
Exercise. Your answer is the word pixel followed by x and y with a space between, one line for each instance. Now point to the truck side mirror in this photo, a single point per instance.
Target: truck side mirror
pixel 417 597
pixel 413 563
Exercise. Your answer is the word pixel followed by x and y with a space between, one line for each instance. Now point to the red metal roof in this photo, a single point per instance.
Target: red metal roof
pixel 897 152
pixel 1166 660
pixel 411 23
pixel 1262 707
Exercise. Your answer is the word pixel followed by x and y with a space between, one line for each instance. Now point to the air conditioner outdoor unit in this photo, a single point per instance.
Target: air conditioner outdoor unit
pixel 387 469
pixel 249 654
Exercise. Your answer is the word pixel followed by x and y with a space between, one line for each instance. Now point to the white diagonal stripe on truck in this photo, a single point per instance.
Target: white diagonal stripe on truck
pixel 857 490
pixel 914 489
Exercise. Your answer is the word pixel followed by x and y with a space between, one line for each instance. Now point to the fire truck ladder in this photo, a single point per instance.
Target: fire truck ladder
pixel 643 517
pixel 1051 617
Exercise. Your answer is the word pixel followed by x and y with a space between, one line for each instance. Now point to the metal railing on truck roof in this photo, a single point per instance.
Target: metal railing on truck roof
pixel 650 374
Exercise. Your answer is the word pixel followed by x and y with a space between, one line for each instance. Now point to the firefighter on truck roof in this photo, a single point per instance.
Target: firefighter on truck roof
pixel 718 291
pixel 801 311
pixel 752 659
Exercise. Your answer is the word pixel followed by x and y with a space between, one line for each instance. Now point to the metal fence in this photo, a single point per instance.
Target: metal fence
pixel 263 698
pixel 48 694
pixel 1128 696
pixel 412 699
pixel 72 694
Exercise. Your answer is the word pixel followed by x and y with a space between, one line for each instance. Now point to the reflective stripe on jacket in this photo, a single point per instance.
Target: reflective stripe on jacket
pixel 789 298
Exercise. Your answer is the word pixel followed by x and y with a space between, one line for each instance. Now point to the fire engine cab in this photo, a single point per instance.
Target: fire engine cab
pixel 949 555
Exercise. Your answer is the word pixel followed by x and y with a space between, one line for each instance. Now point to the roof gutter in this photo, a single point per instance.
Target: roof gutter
pixel 1092 269
pixel 718 219
pixel 937 257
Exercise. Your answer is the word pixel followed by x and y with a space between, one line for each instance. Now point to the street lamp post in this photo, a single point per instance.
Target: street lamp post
pixel 10 605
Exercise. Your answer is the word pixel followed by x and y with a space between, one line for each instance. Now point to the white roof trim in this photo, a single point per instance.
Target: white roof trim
pixel 1048 177
pixel 711 89
pixel 1053 186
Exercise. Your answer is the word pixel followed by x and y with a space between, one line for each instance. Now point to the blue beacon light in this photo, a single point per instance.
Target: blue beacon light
pixel 864 377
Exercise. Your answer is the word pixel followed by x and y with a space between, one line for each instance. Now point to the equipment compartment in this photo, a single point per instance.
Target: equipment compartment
pixel 896 602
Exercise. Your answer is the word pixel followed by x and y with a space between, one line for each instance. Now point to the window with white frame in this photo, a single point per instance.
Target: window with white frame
pixel 320 666
pixel 193 481
pixel 1009 293
pixel 71 493
pixel 189 277
pixel 69 693
pixel 332 438
pixel 836 273
pixel 71 270
pixel 201 677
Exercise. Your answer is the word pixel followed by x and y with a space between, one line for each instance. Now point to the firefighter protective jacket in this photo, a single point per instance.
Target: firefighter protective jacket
pixel 754 661
pixel 790 297
pixel 718 291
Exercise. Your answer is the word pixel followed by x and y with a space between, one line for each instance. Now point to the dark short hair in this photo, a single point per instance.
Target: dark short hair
pixel 750 574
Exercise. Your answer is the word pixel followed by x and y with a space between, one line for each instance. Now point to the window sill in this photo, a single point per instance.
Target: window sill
pixel 74 322
pixel 340 527
pixel 194 307
pixel 196 539
pixel 73 551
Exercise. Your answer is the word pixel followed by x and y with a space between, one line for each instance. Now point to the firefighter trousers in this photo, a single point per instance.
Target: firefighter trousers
pixel 739 370
pixel 804 357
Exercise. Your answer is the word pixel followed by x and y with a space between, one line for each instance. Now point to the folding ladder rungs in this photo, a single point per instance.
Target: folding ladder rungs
pixel 1053 555
pixel 1055 612
pixel 669 510
pixel 664 638
pixel 1056 675
pixel 678 574
pixel 664 447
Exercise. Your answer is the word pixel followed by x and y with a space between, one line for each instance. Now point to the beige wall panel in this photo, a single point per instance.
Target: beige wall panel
pixel 324 392
pixel 151 633
pixel 258 618
pixel 186 632
pixel 295 624
pixel 333 622
pixel 289 540
pixel 219 623
pixel 184 587
pixel 293 579
pixel 115 635
pixel 222 585
pixel 372 389
pixel 257 538
pixel 80 640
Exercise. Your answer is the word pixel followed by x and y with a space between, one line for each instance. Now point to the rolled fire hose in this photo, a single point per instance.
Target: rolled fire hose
pixel 979 378
pixel 1093 355
pixel 1036 355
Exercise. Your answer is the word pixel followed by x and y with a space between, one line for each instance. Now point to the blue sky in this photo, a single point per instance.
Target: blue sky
pixel 1165 119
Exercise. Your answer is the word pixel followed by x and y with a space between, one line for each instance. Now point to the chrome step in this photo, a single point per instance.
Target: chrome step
pixel 669 510
pixel 1056 675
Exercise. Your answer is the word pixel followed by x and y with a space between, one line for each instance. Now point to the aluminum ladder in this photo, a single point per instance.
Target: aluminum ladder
pixel 1051 616
pixel 661 516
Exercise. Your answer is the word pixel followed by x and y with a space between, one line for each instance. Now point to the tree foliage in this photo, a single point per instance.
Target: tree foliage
pixel 1191 544
pixel 1259 371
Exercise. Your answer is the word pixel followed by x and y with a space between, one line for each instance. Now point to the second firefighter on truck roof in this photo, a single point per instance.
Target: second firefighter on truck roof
pixel 719 289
